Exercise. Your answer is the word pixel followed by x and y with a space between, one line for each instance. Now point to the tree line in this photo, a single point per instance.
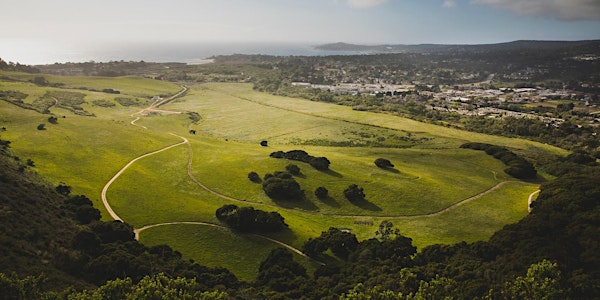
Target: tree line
pixel 518 167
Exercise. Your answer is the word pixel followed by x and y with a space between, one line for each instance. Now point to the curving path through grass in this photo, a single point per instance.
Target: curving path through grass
pixel 156 104
pixel 530 200
pixel 111 212
pixel 138 230
pixel 295 250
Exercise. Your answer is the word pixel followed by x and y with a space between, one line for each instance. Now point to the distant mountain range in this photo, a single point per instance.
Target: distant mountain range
pixel 593 45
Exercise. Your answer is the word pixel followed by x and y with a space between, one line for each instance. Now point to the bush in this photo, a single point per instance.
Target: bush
pixel 40 81
pixel 110 91
pixel 383 163
pixel 30 162
pixel 354 193
pixel 321 193
pixel 253 176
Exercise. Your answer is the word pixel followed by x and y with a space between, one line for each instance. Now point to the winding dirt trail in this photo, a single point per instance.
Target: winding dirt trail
pixel 138 230
pixel 156 104
pixel 111 212
pixel 291 248
pixel 159 102
pixel 530 199
pixel 153 108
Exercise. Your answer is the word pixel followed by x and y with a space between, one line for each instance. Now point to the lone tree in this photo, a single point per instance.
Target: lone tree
pixel 354 193
pixel 40 80
pixel 383 163
pixel 321 193
pixel 386 231
pixel 253 176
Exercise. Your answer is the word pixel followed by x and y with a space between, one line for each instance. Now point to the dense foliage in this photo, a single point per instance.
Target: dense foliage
pixel 319 163
pixel 321 192
pixel 248 219
pixel 383 163
pixel 354 193
pixel 253 176
pixel 281 186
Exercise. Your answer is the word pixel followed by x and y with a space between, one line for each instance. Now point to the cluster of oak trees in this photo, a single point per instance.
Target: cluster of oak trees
pixel 249 219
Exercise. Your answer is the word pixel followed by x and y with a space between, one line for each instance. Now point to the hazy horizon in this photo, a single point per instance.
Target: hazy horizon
pixel 39 31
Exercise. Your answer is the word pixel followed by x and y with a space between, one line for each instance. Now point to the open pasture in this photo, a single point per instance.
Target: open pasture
pixel 430 175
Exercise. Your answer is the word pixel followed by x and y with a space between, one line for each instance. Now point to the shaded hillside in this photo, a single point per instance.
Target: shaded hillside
pixel 35 231
pixel 46 231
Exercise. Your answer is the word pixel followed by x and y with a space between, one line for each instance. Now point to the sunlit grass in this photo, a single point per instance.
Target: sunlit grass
pixel 218 247
pixel 430 174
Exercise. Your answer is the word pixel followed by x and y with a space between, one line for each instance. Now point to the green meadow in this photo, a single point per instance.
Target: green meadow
pixel 431 172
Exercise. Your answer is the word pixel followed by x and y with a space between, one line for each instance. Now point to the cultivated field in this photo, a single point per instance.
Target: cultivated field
pixel 437 193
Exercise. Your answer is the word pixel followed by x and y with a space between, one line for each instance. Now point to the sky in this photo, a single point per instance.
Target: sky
pixel 31 27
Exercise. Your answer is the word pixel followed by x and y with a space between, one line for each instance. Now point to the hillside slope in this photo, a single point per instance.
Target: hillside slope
pixel 35 231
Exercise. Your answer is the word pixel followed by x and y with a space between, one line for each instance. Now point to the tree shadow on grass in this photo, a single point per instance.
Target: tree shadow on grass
pixel 301 175
pixel 391 170
pixel 538 179
pixel 332 173
pixel 330 201
pixel 285 235
pixel 367 205
pixel 303 204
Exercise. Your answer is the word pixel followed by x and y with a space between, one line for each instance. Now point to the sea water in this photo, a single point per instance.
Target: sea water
pixel 38 52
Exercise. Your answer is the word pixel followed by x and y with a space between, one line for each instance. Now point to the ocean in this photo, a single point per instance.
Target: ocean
pixel 37 53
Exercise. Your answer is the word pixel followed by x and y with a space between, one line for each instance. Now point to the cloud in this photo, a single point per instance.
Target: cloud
pixel 365 3
pixel 449 3
pixel 572 10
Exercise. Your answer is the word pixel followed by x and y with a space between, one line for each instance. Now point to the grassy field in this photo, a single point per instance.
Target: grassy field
pixel 431 173
pixel 207 245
